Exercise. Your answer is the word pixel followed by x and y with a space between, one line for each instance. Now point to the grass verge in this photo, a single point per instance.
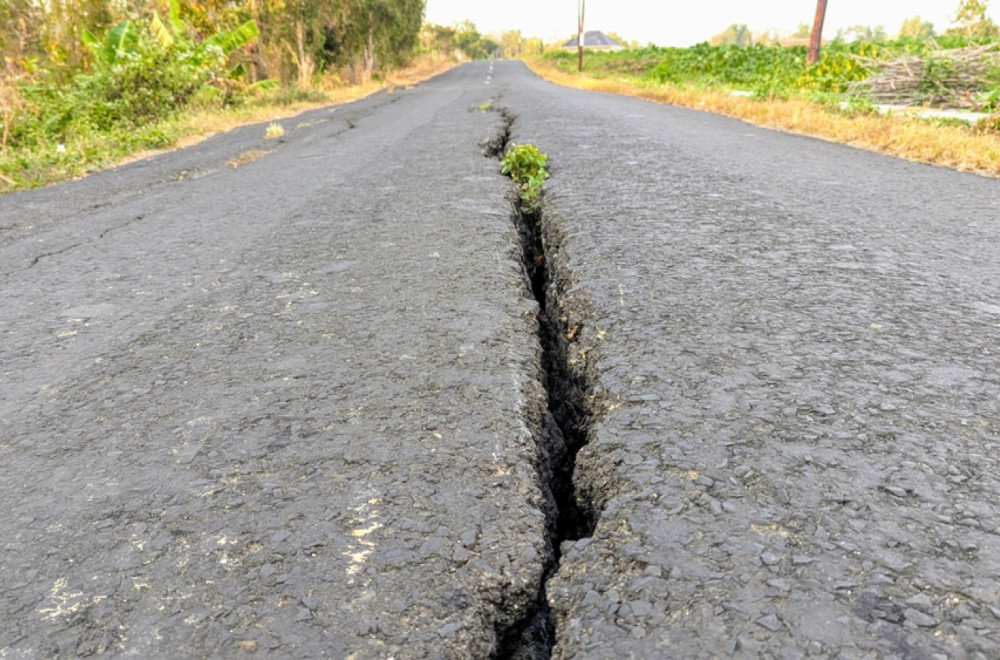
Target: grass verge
pixel 920 140
pixel 85 154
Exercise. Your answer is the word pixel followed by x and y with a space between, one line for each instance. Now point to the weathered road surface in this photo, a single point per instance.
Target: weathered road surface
pixel 295 408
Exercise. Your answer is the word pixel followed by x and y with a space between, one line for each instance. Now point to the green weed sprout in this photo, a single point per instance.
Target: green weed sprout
pixel 526 165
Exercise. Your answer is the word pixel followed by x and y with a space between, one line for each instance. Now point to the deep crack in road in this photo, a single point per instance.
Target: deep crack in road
pixel 730 393
pixel 564 430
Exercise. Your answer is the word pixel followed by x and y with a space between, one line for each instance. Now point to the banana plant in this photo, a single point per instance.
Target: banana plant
pixel 123 38
pixel 210 54
pixel 211 51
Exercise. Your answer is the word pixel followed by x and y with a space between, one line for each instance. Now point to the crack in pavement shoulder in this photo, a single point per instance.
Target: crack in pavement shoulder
pixel 46 255
pixel 121 226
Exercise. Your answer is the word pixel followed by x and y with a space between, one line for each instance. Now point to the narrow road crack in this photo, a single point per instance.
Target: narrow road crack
pixel 45 255
pixel 121 226
pixel 567 426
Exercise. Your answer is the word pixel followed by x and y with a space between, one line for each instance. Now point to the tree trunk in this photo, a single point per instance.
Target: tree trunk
pixel 258 68
pixel 579 37
pixel 306 68
pixel 369 49
pixel 816 37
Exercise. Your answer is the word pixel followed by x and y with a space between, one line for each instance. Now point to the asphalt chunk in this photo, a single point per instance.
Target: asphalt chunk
pixel 290 410
pixel 808 326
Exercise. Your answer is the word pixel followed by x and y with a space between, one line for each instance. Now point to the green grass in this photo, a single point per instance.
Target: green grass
pixel 765 71
pixel 38 155
pixel 42 157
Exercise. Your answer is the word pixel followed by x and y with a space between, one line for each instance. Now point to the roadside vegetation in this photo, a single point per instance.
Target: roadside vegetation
pixel 86 83
pixel 839 97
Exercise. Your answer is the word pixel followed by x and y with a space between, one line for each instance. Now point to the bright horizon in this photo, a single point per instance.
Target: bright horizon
pixel 673 23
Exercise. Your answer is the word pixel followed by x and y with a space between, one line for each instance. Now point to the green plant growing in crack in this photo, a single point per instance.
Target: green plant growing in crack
pixel 526 165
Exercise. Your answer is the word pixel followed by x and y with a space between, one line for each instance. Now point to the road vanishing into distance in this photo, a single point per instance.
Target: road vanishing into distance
pixel 732 393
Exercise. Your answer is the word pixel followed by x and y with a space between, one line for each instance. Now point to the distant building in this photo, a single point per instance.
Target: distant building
pixel 594 40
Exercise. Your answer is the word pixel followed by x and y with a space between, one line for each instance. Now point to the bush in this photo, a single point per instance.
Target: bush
pixel 144 84
pixel 751 67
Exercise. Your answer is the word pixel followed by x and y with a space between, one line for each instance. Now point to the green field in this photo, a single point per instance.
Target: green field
pixel 776 71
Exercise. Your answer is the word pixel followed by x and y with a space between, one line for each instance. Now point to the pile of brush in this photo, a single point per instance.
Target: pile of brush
pixel 944 78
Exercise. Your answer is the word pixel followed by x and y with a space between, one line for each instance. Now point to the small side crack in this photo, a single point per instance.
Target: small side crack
pixel 121 226
pixel 45 255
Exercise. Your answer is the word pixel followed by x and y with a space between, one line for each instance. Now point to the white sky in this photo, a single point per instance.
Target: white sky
pixel 683 22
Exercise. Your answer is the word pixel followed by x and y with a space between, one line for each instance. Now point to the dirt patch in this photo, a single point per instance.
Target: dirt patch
pixel 247 157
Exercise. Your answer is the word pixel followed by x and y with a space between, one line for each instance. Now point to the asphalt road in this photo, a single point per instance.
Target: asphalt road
pixel 299 408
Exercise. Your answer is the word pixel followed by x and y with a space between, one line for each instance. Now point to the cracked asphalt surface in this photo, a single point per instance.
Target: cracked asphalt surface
pixel 297 407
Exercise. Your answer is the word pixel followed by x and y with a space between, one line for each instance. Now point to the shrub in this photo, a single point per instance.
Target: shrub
pixel 145 83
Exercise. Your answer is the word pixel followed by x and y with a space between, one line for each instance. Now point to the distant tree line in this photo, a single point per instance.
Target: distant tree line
pixel 970 20
pixel 463 41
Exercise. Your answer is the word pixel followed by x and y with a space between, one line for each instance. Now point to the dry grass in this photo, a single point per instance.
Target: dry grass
pixel 274 131
pixel 197 127
pixel 247 157
pixel 919 140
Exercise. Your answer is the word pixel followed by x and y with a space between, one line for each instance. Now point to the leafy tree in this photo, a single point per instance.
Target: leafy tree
pixel 300 38
pixel 630 44
pixel 533 45
pixel 370 34
pixel 736 35
pixel 863 33
pixel 472 44
pixel 512 43
pixel 393 37
pixel 64 25
pixel 21 25
pixel 971 11
pixel 438 39
pixel 293 36
pixel 465 40
pixel 203 18
pixel 971 20
pixel 802 32
pixel 143 72
pixel 917 28
pixel 768 38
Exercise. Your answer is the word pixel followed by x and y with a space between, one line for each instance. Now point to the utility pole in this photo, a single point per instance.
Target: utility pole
pixel 579 36
pixel 816 37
